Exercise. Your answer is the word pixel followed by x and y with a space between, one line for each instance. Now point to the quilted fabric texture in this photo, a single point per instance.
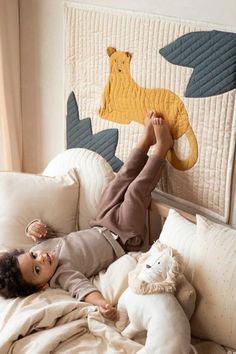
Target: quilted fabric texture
pixel 205 187
pixel 94 175
pixel 79 135
pixel 212 55
pixel 124 100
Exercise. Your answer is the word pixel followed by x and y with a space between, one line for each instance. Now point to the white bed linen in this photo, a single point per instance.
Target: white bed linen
pixel 53 322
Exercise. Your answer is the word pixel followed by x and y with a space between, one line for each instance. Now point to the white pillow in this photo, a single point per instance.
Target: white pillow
pixel 113 282
pixel 25 197
pixel 215 282
pixel 94 175
pixel 179 233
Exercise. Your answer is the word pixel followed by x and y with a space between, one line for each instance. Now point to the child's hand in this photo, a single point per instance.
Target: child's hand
pixel 37 230
pixel 106 309
pixel 109 312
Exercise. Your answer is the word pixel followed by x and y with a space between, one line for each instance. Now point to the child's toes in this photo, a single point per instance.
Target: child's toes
pixel 155 120
pixel 149 114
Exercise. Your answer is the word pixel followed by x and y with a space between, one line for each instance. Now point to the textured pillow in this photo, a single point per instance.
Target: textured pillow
pixel 94 175
pixel 215 282
pixel 25 197
pixel 179 233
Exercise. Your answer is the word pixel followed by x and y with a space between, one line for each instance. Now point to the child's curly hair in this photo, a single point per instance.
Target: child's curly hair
pixel 12 283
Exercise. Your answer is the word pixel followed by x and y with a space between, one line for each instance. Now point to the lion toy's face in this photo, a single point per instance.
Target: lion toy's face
pixel 156 266
pixel 157 270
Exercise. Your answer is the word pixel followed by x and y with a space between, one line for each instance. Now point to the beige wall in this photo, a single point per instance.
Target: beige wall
pixel 41 81
pixel 42 63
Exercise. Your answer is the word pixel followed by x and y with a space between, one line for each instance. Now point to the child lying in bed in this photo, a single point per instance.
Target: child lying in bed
pixel 119 227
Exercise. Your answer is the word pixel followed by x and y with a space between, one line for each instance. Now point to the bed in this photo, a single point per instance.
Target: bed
pixel 53 322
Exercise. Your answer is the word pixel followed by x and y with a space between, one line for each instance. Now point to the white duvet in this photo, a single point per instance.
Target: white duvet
pixel 51 321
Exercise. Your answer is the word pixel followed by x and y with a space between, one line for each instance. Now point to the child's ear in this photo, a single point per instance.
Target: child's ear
pixel 43 286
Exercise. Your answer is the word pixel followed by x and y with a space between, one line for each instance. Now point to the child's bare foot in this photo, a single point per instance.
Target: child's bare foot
pixel 164 140
pixel 148 131
pixel 149 137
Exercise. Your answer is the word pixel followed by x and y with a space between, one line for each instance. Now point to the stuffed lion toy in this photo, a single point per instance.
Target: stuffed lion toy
pixel 149 303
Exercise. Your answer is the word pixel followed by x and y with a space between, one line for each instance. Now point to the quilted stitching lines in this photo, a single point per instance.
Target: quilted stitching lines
pixel 212 55
pixel 124 101
pixel 79 134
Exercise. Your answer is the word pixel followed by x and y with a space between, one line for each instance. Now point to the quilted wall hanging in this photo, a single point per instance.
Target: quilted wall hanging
pixel 121 64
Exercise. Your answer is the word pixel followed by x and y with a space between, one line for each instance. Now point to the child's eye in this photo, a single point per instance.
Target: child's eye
pixel 33 255
pixel 37 270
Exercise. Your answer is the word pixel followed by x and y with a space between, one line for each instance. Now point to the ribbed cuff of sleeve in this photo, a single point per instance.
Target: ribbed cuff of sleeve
pixel 82 294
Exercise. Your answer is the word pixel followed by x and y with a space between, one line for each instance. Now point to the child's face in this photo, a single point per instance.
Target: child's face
pixel 38 267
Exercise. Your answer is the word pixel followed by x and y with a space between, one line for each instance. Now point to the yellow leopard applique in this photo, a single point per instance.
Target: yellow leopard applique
pixel 125 101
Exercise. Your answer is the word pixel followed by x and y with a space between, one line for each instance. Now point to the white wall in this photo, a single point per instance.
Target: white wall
pixel 42 65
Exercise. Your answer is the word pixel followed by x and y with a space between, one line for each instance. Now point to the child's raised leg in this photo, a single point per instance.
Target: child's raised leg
pixel 132 211
pixel 114 193
pixel 126 217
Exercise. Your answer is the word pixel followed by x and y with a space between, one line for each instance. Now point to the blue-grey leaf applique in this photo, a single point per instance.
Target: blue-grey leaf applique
pixel 212 55
pixel 79 134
